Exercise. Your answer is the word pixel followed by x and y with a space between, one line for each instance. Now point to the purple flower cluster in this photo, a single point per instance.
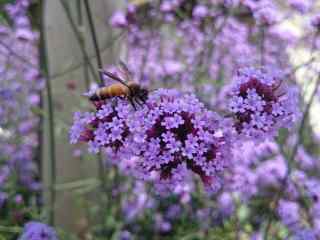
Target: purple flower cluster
pixel 291 216
pixel 260 103
pixel 137 202
pixel 257 172
pixel 105 128
pixel 172 136
pixel 190 41
pixel 20 86
pixel 266 16
pixel 301 6
pixel 175 135
pixel 289 213
pixel 38 231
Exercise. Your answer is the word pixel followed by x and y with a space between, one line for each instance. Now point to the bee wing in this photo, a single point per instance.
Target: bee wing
pixel 125 70
pixel 114 77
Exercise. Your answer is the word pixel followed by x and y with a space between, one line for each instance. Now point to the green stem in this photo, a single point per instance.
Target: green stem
pixel 77 184
pixel 51 141
pixel 5 229
pixel 39 154
pixel 86 75
pixel 100 66
pixel 94 38
pixel 12 52
pixel 78 37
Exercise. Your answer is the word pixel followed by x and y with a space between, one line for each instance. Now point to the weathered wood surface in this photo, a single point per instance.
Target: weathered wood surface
pixel 64 52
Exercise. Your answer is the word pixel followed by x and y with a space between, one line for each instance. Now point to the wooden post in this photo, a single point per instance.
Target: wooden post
pixel 65 57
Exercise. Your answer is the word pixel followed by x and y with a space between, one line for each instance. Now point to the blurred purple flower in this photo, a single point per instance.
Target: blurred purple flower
pixel 200 11
pixel 125 235
pixel 289 214
pixel 134 205
pixel 161 224
pixel 118 20
pixel 169 5
pixel 304 234
pixel 38 231
pixel 226 204
pixel 172 67
pixel 20 86
pixel 315 22
pixel 174 211
pixel 266 16
pixel 302 6
pixel 270 173
pixel 18 199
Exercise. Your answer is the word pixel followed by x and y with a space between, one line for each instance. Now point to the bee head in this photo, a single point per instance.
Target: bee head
pixel 94 97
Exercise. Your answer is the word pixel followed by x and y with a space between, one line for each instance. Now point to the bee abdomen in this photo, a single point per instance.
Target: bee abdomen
pixel 113 91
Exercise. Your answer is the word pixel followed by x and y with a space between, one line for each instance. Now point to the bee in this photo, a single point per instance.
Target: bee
pixel 129 89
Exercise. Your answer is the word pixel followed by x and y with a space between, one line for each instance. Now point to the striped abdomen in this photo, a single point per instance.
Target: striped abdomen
pixel 114 90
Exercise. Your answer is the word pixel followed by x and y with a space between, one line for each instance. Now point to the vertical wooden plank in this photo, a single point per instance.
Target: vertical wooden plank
pixel 64 53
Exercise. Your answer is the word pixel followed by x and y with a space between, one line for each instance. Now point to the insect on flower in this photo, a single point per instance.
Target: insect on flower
pixel 126 88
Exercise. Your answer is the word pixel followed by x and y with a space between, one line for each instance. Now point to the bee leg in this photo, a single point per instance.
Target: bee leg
pixel 138 101
pixel 143 100
pixel 132 103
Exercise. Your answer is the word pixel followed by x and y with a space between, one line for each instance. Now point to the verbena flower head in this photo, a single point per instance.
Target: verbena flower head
pixel 270 173
pixel 174 135
pixel 125 235
pixel 261 104
pixel 118 20
pixel 289 214
pixel 304 234
pixel 266 16
pixel 226 204
pixel 38 231
pixel 104 128
pixel 302 6
pixel 200 11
